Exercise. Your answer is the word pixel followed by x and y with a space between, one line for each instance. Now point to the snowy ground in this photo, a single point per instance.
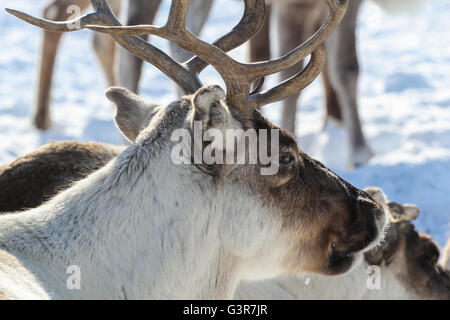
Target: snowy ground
pixel 404 100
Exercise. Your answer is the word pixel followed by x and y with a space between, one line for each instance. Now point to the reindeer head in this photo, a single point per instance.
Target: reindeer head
pixel 299 217
pixel 410 255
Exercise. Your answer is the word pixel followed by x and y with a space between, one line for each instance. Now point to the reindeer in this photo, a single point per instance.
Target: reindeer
pixel 119 66
pixel 139 224
pixel 405 264
pixel 406 259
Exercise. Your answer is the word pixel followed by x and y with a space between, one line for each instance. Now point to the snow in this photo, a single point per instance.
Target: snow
pixel 404 100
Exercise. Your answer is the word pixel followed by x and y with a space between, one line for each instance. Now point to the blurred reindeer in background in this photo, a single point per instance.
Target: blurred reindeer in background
pixel 297 20
pixel 58 10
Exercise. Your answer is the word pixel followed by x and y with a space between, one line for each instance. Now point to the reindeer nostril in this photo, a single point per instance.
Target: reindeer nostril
pixel 376 211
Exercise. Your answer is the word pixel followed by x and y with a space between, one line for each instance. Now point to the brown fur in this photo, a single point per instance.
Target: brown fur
pixel 34 178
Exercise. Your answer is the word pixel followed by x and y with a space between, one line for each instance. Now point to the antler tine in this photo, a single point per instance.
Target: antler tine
pixel 61 26
pixel 292 85
pixel 309 73
pixel 337 10
pixel 185 79
pixel 175 30
pixel 249 25
pixel 238 76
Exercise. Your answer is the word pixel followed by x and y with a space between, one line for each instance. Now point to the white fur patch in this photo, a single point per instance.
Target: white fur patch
pixel 411 211
pixel 206 97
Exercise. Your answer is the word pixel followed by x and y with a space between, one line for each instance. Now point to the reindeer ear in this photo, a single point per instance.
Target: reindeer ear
pixel 411 211
pixel 406 212
pixel 132 113
pixel 210 108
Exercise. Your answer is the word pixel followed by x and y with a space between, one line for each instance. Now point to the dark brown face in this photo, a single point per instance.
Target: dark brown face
pixel 329 221
pixel 414 255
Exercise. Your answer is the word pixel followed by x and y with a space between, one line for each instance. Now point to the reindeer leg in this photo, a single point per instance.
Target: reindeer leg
pixel 56 10
pixel 259 45
pixel 331 98
pixel 130 66
pixel 293 28
pixel 105 48
pixel 196 18
pixel 343 69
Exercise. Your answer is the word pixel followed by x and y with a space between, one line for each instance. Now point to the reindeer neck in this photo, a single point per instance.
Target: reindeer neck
pixel 137 228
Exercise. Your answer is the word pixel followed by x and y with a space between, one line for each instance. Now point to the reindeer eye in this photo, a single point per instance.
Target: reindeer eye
pixel 286 158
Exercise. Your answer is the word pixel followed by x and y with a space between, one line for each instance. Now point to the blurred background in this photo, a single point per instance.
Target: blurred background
pixel 404 99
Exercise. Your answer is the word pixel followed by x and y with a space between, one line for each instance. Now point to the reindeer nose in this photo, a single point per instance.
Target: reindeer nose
pixel 379 213
pixel 367 228
pixel 374 219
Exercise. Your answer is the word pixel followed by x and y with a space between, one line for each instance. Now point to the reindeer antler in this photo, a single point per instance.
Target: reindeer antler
pixel 238 76
pixel 184 75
